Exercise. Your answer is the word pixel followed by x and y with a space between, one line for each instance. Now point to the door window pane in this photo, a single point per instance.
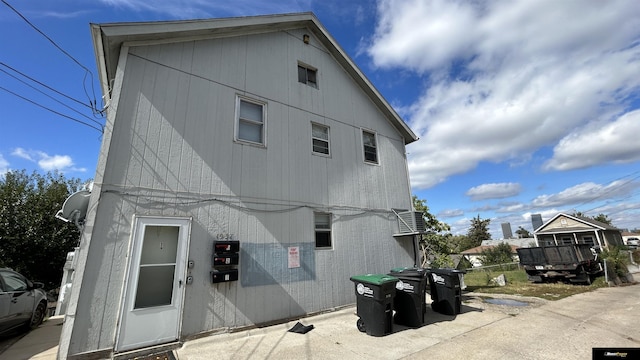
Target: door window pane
pixel 160 245
pixel 155 286
pixel 157 266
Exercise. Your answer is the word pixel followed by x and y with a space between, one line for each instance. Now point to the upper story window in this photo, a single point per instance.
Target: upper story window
pixel 370 147
pixel 320 139
pixel 307 75
pixel 323 230
pixel 250 120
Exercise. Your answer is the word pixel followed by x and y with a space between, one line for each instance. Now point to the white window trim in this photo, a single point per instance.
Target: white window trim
pixel 237 138
pixel 375 137
pixel 328 139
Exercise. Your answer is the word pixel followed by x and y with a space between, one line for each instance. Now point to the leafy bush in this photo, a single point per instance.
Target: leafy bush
pixel 499 254
pixel 617 260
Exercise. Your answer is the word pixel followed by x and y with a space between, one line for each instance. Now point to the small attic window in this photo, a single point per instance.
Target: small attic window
pixel 307 75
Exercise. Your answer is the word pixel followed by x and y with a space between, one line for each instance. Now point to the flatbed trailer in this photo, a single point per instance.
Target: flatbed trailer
pixel 572 263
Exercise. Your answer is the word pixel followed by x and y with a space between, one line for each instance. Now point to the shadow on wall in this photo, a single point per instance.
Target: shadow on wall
pixel 269 264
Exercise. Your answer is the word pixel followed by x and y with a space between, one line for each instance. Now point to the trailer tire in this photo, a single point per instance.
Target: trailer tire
pixel 588 280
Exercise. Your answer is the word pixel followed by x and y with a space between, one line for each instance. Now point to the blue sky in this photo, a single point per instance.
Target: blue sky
pixel 521 106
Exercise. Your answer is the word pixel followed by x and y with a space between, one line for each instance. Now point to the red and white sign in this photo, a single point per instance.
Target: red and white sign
pixel 294 257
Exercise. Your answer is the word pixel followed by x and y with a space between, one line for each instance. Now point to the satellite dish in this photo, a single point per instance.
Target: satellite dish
pixel 75 207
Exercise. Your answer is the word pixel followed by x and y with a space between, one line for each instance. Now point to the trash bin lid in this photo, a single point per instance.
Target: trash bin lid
pixel 447 271
pixel 409 272
pixel 375 279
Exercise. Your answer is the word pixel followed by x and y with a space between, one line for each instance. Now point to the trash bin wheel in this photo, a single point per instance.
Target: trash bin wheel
pixel 360 325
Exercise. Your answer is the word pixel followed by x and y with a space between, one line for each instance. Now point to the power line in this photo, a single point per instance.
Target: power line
pixel 43 85
pixel 100 129
pixel 93 103
pixel 51 97
pixel 607 191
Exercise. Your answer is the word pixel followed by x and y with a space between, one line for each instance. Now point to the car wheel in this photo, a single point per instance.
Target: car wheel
pixel 38 316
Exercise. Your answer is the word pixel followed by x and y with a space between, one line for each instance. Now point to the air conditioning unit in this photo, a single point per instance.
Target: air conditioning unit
pixel 411 222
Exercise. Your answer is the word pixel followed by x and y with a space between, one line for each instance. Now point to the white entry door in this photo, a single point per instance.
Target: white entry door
pixel 151 312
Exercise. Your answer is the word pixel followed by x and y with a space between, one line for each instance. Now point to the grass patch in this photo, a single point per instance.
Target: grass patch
pixel 517 284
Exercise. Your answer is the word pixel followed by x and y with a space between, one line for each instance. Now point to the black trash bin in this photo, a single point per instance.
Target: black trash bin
pixel 446 294
pixel 409 304
pixel 374 301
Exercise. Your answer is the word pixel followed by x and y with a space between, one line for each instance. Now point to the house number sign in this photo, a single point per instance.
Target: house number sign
pixel 225 236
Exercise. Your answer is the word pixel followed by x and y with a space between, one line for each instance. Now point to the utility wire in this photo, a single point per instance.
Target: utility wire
pixel 607 191
pixel 100 129
pixel 51 97
pixel 93 103
pixel 44 85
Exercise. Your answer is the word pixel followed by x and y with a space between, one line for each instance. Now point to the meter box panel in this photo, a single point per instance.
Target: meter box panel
pixel 225 259
pixel 218 276
pixel 226 246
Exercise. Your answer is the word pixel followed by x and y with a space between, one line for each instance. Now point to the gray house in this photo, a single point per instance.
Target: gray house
pixel 248 169
pixel 565 229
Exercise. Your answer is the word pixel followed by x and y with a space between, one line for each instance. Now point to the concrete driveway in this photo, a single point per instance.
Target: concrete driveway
pixel 563 329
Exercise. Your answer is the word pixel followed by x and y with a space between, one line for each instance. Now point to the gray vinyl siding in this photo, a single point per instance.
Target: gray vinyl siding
pixel 173 153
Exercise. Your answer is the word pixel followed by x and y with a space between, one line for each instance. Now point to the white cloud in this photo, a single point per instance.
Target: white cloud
pixel 22 153
pixel 55 162
pixel 48 162
pixel 449 213
pixel 587 192
pixel 507 78
pixel 614 142
pixel 494 191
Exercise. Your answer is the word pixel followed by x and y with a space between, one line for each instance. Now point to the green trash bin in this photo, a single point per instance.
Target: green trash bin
pixel 374 301
pixel 446 294
pixel 410 300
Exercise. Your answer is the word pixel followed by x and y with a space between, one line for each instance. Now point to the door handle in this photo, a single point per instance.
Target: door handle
pixel 180 283
pixel 14 300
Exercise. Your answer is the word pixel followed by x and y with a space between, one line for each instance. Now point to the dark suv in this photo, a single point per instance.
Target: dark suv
pixel 23 304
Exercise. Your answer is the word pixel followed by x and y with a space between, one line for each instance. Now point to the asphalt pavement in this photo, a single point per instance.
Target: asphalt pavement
pixel 607 318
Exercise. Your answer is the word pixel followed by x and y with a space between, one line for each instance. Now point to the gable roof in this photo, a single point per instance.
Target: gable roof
pixel 581 219
pixel 109 38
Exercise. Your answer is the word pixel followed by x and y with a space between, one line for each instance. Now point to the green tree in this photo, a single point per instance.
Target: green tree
pixel 603 218
pixel 523 233
pixel 437 237
pixel 478 231
pixel 32 241
pixel 460 243
pixel 499 254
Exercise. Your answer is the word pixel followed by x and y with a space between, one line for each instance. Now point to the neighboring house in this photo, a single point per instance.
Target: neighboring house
pixel 474 255
pixel 565 229
pixel 519 242
pixel 254 138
